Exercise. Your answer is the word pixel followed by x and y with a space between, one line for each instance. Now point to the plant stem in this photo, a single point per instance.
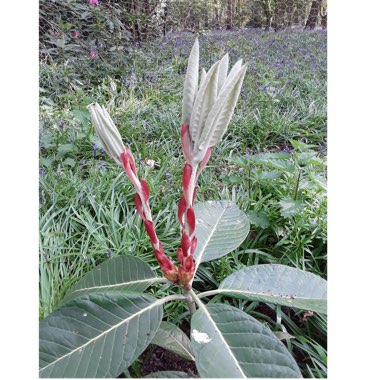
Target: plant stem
pixel 209 293
pixel 297 184
pixel 195 298
pixel 172 298
pixel 190 301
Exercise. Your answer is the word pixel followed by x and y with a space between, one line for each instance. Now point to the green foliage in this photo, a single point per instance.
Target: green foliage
pixel 98 319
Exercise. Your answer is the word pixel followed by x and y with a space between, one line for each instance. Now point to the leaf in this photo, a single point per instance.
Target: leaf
pixel 230 343
pixel 223 69
pixel 203 103
pixel 264 176
pixel 82 115
pixel 233 179
pixel 46 161
pixel 172 338
pixel 221 227
pixel 70 162
pixel 319 180
pixel 222 111
pixel 258 219
pixel 122 272
pixel 235 68
pixel 66 148
pixel 191 82
pixel 168 375
pixel 282 335
pixel 278 284
pixel 97 335
pixel 290 207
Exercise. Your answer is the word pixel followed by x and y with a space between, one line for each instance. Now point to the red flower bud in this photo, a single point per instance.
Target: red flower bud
pixel 190 220
pixel 180 255
pixel 187 170
pixel 181 209
pixel 139 208
pixel 189 265
pixel 145 190
pixel 184 277
pixel 131 160
pixel 150 231
pixel 194 241
pixel 172 275
pixel 164 261
pixel 185 245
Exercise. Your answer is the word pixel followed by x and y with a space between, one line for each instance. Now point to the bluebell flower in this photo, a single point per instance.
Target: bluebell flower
pixel 288 149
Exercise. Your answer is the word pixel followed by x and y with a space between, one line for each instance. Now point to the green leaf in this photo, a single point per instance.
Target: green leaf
pixel 168 375
pixel 172 338
pixel 70 162
pixel 266 175
pixel 82 115
pixel 221 227
pixel 46 161
pixel 230 343
pixel 257 219
pixel 319 180
pixel 290 207
pixel 66 148
pixel 97 335
pixel 233 179
pixel 122 272
pixel 278 284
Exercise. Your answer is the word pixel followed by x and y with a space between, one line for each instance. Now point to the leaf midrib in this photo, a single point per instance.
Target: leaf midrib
pixel 152 279
pixel 204 309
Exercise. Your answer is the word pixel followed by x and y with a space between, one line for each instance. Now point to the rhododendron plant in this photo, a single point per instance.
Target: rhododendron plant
pixel 106 321
pixel 206 112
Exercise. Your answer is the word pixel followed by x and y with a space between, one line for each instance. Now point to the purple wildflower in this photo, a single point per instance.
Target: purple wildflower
pixel 109 254
pixel 93 2
pixel 75 34
pixel 288 149
pixel 95 148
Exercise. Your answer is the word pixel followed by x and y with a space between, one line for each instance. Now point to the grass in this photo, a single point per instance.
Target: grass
pixel 271 162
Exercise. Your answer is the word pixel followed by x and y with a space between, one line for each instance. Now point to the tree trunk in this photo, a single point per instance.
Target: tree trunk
pixel 315 9
pixel 216 14
pixel 324 18
pixel 279 16
pixel 165 18
pixel 229 15
pixel 267 5
pixel 290 8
